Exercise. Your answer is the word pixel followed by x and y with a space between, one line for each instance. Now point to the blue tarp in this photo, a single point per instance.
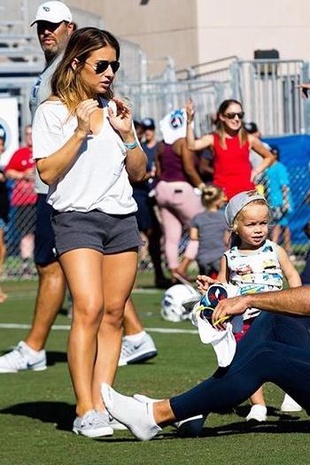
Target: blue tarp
pixel 295 155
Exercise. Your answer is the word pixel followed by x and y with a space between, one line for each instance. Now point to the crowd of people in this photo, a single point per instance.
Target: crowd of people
pixel 86 237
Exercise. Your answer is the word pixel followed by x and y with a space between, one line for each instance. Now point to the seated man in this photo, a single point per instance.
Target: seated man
pixel 276 349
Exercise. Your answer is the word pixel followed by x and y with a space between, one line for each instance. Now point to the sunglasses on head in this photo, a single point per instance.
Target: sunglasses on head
pixel 102 66
pixel 232 115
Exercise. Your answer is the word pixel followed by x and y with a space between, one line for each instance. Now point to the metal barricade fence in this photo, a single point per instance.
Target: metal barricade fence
pixel 17 266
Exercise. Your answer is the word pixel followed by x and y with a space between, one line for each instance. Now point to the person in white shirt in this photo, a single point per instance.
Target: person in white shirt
pixel 86 150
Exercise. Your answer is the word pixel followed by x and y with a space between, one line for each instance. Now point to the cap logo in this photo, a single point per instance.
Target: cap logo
pixel 177 119
pixel 46 8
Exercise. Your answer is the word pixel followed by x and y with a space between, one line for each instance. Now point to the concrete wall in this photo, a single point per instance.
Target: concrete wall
pixel 193 31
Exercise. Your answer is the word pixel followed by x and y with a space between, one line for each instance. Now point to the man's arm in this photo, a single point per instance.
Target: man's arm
pixel 293 301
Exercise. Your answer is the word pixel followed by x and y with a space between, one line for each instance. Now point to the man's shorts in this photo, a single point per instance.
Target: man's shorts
pixel 44 238
pixel 95 230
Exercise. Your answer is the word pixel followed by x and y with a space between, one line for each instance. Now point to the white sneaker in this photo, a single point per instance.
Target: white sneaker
pixel 21 358
pixel 190 427
pixel 137 416
pixel 257 413
pixel 91 425
pixel 137 351
pixel 290 405
pixel 115 425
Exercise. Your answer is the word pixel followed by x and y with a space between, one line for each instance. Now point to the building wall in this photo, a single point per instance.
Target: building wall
pixel 193 31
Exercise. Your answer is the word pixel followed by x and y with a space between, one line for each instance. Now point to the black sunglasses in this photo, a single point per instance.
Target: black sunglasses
pixel 232 115
pixel 103 65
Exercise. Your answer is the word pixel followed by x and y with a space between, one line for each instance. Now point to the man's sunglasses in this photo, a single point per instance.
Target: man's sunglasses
pixel 232 115
pixel 103 65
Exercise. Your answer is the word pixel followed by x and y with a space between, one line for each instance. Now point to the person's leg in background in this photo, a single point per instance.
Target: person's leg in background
pixel 3 295
pixel 30 354
pixel 149 227
pixel 185 205
pixel 172 229
pixel 137 345
pixel 155 250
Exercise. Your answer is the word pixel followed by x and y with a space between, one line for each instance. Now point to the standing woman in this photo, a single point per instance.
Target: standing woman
pixel 231 146
pixel 86 151
pixel 177 202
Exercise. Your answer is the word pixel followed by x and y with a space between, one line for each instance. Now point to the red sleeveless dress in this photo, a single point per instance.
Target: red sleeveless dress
pixel 232 168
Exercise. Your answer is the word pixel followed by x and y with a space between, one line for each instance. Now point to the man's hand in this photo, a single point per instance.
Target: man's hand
pixel 229 307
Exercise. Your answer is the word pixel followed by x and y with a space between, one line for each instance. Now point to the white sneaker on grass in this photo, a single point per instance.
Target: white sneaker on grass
pixel 91 425
pixel 22 357
pixel 137 351
pixel 290 405
pixel 137 416
pixel 257 413
pixel 190 427
pixel 115 425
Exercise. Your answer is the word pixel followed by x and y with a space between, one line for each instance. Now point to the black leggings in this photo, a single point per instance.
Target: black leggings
pixel 275 349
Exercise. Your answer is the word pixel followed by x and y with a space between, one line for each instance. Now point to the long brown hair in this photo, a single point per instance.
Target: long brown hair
pixel 66 83
pixel 242 134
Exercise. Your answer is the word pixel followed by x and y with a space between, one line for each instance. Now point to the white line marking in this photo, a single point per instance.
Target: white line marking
pixel 67 327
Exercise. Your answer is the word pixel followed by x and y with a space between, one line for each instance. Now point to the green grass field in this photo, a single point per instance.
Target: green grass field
pixel 37 408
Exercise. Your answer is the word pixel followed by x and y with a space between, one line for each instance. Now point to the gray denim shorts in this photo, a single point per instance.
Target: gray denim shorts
pixel 96 230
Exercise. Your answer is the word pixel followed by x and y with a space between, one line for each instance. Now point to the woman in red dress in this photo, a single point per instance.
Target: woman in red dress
pixel 231 146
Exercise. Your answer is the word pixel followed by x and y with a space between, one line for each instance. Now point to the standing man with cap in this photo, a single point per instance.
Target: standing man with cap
pixel 54 28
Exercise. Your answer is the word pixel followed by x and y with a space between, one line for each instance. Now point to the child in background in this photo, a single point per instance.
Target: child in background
pixel 209 228
pixel 253 263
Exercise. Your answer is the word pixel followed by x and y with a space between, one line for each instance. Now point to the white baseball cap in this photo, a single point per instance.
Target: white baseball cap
pixel 53 12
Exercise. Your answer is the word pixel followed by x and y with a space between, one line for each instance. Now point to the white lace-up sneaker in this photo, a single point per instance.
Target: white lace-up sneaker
pixel 91 425
pixel 21 358
pixel 290 405
pixel 257 413
pixel 137 351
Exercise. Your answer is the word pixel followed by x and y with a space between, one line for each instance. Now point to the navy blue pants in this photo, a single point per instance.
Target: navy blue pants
pixel 276 349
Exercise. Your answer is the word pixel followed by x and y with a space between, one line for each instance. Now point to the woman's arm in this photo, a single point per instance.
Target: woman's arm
pixel 55 165
pixel 136 159
pixel 267 156
pixel 192 143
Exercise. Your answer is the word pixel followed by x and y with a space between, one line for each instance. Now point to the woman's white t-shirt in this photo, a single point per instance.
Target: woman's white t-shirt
pixel 97 179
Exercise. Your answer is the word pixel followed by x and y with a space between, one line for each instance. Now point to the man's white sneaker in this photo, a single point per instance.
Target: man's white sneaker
pixel 137 351
pixel 22 358
pixel 91 425
pixel 257 413
pixel 290 405
pixel 115 425
pixel 189 428
pixel 137 416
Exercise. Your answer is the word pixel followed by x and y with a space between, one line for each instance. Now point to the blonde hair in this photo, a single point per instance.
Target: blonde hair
pixel 66 82
pixel 210 195
pixel 235 239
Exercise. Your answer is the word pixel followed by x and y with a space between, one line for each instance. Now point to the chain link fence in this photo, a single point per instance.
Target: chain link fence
pixel 19 236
